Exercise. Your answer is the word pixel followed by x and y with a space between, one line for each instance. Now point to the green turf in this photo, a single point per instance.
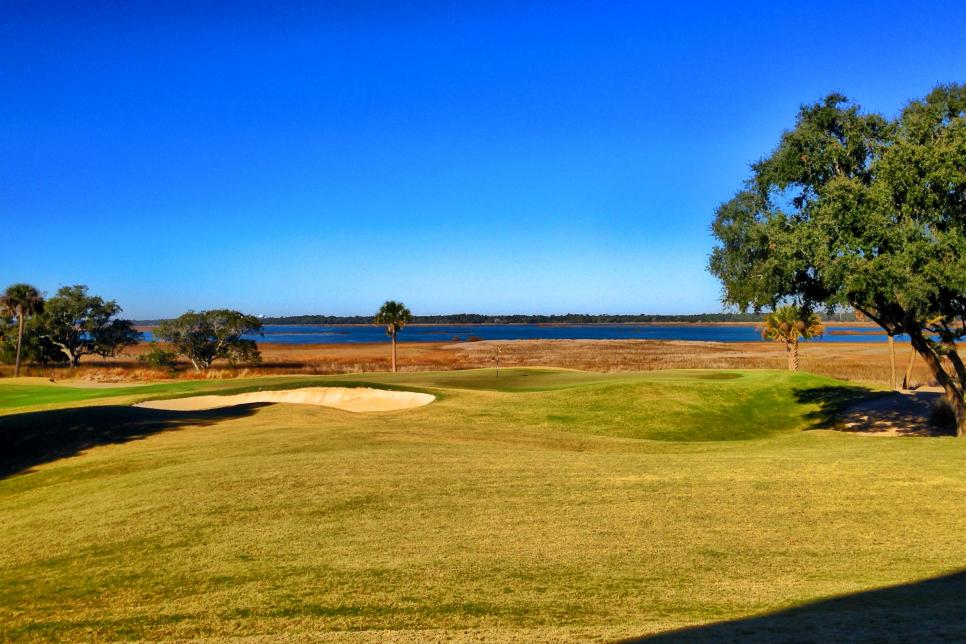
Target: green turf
pixel 540 505
pixel 21 398
pixel 31 394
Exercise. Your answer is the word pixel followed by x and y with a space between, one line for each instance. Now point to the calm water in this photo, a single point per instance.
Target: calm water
pixel 448 333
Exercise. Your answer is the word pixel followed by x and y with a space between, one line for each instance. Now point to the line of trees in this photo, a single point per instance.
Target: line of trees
pixel 567 318
pixel 73 323
pixel 62 329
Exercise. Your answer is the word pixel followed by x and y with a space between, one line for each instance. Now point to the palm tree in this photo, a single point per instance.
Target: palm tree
pixel 394 315
pixel 19 301
pixel 789 324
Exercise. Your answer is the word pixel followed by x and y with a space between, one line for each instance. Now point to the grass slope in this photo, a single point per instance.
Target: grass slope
pixel 539 505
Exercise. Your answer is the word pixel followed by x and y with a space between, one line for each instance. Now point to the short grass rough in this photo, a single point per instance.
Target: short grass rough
pixel 539 505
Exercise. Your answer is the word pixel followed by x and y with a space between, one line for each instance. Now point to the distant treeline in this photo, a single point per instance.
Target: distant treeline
pixel 568 318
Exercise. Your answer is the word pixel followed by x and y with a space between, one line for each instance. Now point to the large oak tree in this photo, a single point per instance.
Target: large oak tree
pixel 206 336
pixel 80 324
pixel 856 209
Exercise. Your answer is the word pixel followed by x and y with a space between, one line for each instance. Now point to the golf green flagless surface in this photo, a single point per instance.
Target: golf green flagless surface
pixel 535 504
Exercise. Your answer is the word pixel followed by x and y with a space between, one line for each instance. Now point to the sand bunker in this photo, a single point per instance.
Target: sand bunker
pixel 356 399
pixel 903 413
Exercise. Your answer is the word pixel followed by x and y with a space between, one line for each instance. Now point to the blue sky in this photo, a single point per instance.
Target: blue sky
pixel 492 157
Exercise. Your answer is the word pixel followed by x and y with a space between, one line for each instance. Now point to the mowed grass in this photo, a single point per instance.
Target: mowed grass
pixel 537 505
pixel 31 394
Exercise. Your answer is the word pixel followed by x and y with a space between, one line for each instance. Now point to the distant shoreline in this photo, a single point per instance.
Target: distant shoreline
pixel 836 323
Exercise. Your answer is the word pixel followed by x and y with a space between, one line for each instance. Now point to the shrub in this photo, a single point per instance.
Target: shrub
pixel 941 415
pixel 158 357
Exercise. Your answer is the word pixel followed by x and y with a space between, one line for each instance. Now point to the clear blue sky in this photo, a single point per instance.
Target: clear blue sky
pixel 495 157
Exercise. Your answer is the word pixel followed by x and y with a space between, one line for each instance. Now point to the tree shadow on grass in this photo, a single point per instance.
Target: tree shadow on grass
pixel 832 401
pixel 29 439
pixel 929 610
pixel 862 410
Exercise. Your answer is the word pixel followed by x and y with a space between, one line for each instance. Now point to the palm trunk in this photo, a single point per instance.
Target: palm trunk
pixel 394 353
pixel 953 390
pixel 892 362
pixel 907 377
pixel 791 353
pixel 20 326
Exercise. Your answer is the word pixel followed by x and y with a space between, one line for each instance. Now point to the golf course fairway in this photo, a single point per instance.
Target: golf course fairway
pixel 537 504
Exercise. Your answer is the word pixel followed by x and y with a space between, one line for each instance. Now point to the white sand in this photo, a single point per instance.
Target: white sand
pixel 356 399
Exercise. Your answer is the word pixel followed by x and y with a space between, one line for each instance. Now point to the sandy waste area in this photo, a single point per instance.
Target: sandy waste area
pixel 901 413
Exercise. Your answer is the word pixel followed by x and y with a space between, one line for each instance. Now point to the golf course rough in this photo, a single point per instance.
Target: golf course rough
pixel 538 504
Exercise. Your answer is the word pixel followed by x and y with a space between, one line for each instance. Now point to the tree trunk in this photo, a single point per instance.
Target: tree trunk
pixel 907 377
pixel 953 390
pixel 955 400
pixel 791 352
pixel 393 353
pixel 20 325
pixel 957 363
pixel 892 361
pixel 72 360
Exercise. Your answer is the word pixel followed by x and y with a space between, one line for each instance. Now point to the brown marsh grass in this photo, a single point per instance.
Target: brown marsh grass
pixel 857 361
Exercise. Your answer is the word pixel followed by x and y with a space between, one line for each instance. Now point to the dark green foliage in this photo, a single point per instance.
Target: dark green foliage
pixel 159 357
pixel 20 301
pixel 790 324
pixel 8 340
pixel 394 316
pixel 211 335
pixel 114 337
pixel 856 210
pixel 80 324
pixel 37 346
